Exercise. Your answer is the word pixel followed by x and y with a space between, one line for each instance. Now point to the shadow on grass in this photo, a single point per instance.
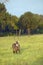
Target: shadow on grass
pixel 39 61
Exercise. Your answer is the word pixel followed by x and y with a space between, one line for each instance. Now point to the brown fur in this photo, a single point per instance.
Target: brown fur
pixel 16 48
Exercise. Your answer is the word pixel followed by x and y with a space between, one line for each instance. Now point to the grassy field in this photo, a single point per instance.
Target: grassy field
pixel 31 50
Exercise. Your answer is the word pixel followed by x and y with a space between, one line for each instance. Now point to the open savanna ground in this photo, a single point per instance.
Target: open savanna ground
pixel 31 50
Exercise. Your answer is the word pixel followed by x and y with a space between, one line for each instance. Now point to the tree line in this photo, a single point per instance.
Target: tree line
pixel 27 23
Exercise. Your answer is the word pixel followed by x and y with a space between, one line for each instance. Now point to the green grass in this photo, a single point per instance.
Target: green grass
pixel 31 50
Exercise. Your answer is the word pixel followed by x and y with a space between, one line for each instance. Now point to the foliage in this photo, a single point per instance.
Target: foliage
pixel 28 23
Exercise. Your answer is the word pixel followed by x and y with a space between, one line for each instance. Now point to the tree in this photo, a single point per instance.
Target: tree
pixel 40 26
pixel 3 1
pixel 29 22
pixel 25 21
pixel 13 22
pixel 35 23
pixel 8 23
pixel 2 14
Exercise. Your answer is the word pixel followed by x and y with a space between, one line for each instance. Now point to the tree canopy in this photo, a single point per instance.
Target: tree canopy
pixel 28 22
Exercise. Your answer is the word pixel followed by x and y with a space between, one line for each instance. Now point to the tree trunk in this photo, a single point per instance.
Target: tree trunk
pixel 16 32
pixel 28 31
pixel 19 31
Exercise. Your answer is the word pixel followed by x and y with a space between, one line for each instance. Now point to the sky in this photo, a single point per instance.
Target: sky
pixel 19 7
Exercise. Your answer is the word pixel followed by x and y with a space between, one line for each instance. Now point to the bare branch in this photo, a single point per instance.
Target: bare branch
pixel 3 1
